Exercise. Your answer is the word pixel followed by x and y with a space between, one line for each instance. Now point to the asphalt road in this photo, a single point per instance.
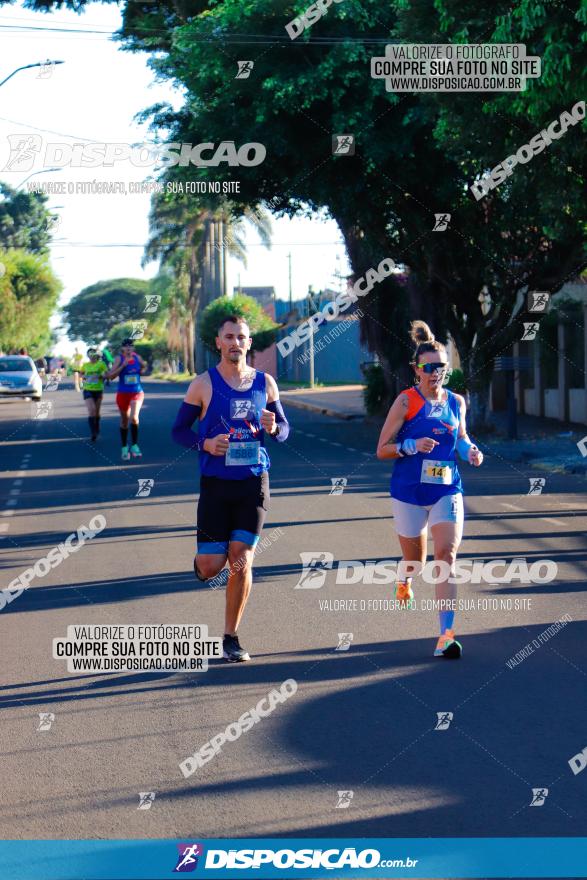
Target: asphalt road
pixel 362 720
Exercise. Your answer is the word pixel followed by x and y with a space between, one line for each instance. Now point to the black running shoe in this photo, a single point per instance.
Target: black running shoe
pixel 232 651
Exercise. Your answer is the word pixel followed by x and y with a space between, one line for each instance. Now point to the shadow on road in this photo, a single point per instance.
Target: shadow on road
pixel 376 730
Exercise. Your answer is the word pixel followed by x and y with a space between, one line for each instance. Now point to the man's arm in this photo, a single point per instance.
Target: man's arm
pixel 273 419
pixel 189 411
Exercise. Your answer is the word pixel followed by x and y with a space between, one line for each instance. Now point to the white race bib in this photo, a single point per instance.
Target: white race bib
pixel 440 472
pixel 92 379
pixel 131 380
pixel 245 452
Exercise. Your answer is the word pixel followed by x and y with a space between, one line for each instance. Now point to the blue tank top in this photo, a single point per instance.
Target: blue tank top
pixel 238 414
pixel 129 378
pixel 425 477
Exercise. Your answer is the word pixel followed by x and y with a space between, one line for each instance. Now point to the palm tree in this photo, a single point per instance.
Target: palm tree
pixel 192 238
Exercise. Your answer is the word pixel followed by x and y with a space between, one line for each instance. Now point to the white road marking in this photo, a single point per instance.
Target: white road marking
pixel 510 506
pixel 14 492
pixel 555 522
pixel 322 439
pixel 336 444
pixel 7 513
pixel 12 502
pixel 351 449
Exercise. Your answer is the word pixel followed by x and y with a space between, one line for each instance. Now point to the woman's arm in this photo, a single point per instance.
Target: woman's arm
pixel 466 449
pixel 387 447
pixel 116 367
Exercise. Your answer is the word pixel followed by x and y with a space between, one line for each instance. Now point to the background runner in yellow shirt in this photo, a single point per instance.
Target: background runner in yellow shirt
pixel 92 374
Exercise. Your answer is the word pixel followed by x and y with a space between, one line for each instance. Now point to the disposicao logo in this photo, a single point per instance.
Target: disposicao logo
pixel 188 857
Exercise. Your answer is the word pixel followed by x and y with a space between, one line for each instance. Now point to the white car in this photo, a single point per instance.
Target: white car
pixel 19 377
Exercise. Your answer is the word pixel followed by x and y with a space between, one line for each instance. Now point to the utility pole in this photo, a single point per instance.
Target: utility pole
pixel 290 293
pixel 311 311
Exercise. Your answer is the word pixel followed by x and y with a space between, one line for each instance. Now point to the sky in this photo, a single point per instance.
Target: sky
pixel 94 96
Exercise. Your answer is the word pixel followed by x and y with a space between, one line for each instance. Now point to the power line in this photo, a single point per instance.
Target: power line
pixel 81 244
pixel 74 136
pixel 230 39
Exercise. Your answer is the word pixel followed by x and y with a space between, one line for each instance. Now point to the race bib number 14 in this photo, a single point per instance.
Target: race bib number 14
pixel 436 472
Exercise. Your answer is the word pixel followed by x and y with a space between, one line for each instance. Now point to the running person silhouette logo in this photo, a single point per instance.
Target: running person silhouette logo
pixel 539 795
pixel 441 222
pixel 241 409
pixel 343 145
pixel 443 720
pixel 244 69
pixel 188 857
pixel 313 575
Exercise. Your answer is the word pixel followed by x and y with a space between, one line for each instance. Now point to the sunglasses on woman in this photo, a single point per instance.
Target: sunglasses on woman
pixel 431 368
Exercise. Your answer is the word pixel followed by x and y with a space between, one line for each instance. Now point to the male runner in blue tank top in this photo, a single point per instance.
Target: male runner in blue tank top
pixel 424 429
pixel 236 406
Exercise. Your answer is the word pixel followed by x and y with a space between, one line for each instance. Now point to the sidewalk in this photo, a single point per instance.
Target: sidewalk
pixel 545 444
pixel 339 401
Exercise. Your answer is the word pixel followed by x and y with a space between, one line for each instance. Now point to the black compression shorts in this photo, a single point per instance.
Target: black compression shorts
pixel 231 510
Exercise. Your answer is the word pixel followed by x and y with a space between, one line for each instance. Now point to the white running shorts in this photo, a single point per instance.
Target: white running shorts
pixel 411 519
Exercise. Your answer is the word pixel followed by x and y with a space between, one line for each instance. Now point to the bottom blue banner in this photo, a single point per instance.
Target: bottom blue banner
pixel 455 857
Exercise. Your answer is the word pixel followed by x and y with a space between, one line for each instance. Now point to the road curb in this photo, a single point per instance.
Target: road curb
pixel 322 410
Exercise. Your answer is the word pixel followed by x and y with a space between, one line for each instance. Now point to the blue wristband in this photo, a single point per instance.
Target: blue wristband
pixel 409 446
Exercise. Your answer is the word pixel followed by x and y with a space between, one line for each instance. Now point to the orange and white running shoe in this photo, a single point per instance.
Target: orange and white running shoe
pixel 404 592
pixel 447 646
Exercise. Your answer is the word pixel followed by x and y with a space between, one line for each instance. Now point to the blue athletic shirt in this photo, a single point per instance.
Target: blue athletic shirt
pixel 129 378
pixel 238 414
pixel 425 477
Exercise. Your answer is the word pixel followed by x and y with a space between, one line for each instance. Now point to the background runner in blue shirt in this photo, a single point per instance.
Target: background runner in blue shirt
pixel 128 366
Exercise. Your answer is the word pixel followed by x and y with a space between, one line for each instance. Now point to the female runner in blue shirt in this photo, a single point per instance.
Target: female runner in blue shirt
pixel 129 367
pixel 424 429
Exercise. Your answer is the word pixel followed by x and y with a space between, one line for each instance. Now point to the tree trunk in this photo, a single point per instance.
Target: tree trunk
pixel 190 363
pixel 478 374
pixel 185 345
pixel 477 417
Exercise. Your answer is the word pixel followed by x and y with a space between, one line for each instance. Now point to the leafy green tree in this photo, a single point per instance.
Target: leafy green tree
pixel 29 291
pixel 528 233
pixel 97 309
pixel 151 345
pixel 261 326
pixel 416 154
pixel 24 220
